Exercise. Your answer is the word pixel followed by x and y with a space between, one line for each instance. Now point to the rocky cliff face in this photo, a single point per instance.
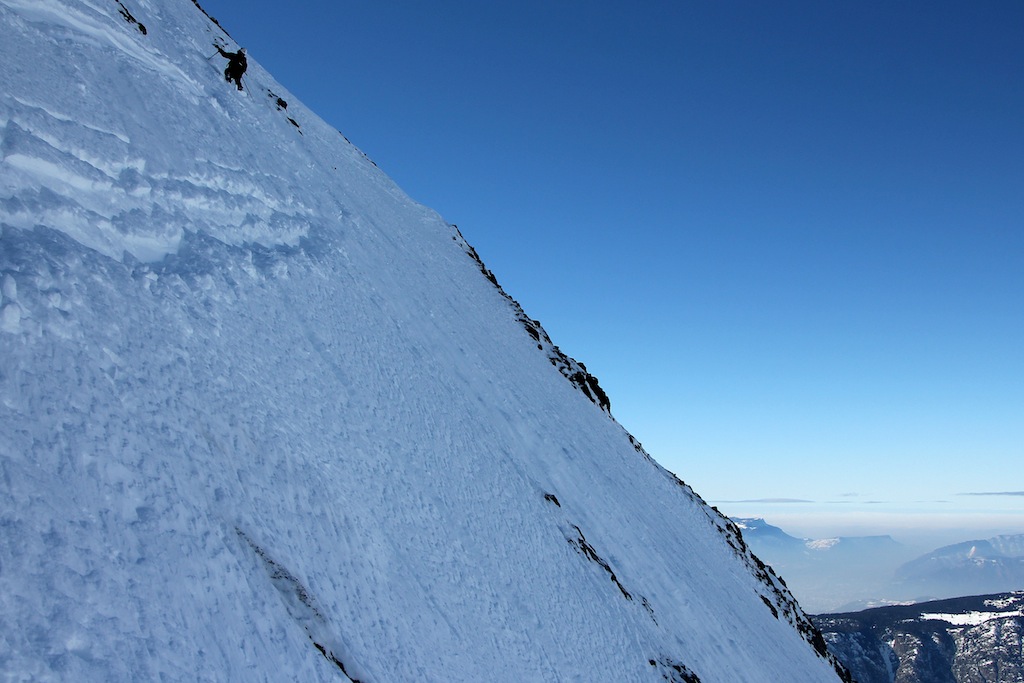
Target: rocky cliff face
pixel 961 640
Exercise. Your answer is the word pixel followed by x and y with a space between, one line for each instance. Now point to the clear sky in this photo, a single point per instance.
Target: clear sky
pixel 788 237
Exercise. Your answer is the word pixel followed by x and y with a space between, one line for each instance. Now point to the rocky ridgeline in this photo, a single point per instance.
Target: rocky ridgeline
pixel 960 640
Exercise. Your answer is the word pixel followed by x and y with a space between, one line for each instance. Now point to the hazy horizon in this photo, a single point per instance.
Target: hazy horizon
pixel 922 524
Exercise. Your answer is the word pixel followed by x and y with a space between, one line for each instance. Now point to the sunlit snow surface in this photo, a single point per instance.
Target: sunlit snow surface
pixel 969 618
pixel 1000 608
pixel 261 416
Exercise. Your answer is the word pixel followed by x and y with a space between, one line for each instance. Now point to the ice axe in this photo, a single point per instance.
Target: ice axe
pixel 215 53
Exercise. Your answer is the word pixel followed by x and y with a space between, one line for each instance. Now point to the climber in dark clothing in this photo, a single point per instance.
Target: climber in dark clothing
pixel 236 65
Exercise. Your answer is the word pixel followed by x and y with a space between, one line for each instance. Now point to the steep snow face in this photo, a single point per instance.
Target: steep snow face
pixel 263 418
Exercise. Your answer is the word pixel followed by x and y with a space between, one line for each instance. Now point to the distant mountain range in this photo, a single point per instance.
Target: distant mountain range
pixel 971 567
pixel 766 534
pixel 854 572
pixel 829 574
pixel 959 640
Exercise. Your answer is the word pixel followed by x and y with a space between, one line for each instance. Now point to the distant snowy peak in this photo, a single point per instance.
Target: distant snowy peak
pixel 978 566
pixel 757 531
pixel 995 547
pixel 1007 550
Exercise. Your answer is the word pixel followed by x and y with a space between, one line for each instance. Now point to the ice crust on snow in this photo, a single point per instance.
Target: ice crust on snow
pixel 262 418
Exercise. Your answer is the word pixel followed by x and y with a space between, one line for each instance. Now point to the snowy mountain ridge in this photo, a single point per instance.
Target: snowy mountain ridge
pixel 261 418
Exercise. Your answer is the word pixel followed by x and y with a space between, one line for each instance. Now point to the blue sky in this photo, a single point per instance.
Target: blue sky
pixel 788 237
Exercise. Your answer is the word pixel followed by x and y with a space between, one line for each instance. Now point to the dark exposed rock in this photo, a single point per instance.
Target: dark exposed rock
pixel 584 548
pixel 674 672
pixel 570 368
pixel 131 19
pixel 960 640
pixel 214 20
pixel 300 605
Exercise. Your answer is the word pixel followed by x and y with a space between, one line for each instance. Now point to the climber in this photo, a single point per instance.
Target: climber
pixel 236 65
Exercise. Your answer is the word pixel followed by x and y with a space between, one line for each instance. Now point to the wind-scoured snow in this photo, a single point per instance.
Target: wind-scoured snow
pixel 262 418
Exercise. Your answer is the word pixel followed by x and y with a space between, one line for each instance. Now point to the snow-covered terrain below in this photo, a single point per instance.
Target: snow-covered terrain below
pixel 961 640
pixel 262 417
pixel 995 608
pixel 968 618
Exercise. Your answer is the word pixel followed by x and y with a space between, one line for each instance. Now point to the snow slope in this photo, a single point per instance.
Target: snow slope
pixel 263 418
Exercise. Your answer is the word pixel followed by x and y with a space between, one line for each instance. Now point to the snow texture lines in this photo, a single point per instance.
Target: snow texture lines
pixel 261 417
pixel 94 27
